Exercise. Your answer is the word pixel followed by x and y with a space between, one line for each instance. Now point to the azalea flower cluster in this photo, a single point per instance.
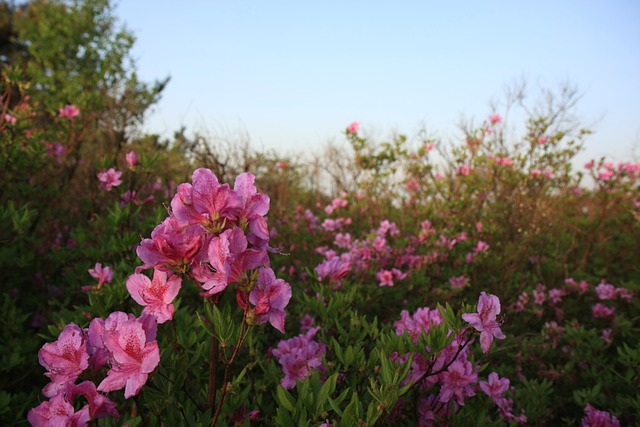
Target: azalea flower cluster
pixel 123 342
pixel 216 236
pixel 299 356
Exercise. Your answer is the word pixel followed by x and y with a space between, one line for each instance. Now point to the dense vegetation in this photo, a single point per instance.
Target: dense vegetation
pixel 198 282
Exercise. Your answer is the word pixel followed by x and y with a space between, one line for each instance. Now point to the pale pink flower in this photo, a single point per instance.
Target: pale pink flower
pixel 535 173
pixel 109 178
pixel 385 278
pixel 412 185
pixel 10 119
pixel 542 140
pixel 270 297
pixel 155 295
pixel 457 382
pixel 485 320
pixel 299 356
pixel 495 387
pixel 606 291
pixel 589 164
pixel 428 147
pixel 134 355
pixel 69 111
pixel 64 359
pixel 458 282
pixel 353 128
pixel 132 159
pixel 607 335
pixel 495 118
pixel 481 247
pixel 463 170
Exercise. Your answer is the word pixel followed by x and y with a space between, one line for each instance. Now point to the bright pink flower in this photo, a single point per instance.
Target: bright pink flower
pixel 104 275
pixel 253 209
pixel 270 296
pixel 589 164
pixel 495 118
pixel 353 128
pixel 457 382
pixel 421 321
pixel 155 295
pixel 10 119
pixel 385 278
pixel 481 247
pixel 485 320
pixel 606 175
pixel 495 387
pixel 412 185
pixel 69 111
pixel 58 412
pixel 132 159
pixel 542 140
pixel 596 418
pixel 133 357
pixel 109 178
pixel 65 359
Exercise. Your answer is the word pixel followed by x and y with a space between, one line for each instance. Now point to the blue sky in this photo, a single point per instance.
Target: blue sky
pixel 294 74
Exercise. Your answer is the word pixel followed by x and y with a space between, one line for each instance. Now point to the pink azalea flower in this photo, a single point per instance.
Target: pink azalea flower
pixel 602 311
pixel 132 159
pixel 353 128
pixel 69 111
pixel 495 387
pixel 606 175
pixel 495 118
pixel 542 140
pixel 463 170
pixel 65 359
pixel 298 356
pixel 385 278
pixel 58 412
pixel 334 269
pixel 596 418
pixel 428 147
pixel 155 295
pixel 606 291
pixel 10 119
pixel 109 178
pixel 104 275
pixel 270 296
pixel 458 282
pixel 133 357
pixel 254 208
pixel 485 320
pixel 457 382
pixel 589 164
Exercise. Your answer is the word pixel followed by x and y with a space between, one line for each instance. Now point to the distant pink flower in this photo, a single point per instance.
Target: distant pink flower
pixel 504 161
pixel 596 418
pixel 606 291
pixel 132 159
pixel 385 278
pixel 602 311
pixel 69 111
pixel 607 335
pixel 64 359
pixel 428 147
pixel 589 164
pixel 109 178
pixel 479 227
pixel 104 275
pixel 412 185
pixel 155 295
pixel 270 297
pixel 134 355
pixel 606 175
pixel 298 356
pixel 458 282
pixel 463 170
pixel 535 173
pixel 353 128
pixel 481 247
pixel 548 174
pixel 282 165
pixel 495 387
pixel 10 119
pixel 495 118
pixel 542 140
pixel 334 270
pixel 485 320
pixel 555 295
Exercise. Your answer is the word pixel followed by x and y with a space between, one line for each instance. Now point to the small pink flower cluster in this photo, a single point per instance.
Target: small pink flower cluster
pixel 353 128
pixel 103 275
pixel 69 111
pixel 596 418
pixel 299 356
pixel 109 178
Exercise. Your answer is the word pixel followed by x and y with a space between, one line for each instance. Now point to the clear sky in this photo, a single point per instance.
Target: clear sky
pixel 294 74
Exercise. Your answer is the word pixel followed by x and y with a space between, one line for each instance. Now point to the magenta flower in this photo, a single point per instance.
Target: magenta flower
pixel 155 295
pixel 270 296
pixel 298 356
pixel 134 355
pixel 353 128
pixel 109 178
pixel 334 270
pixel 254 207
pixel 104 275
pixel 485 320
pixel 495 387
pixel 385 278
pixel 457 382
pixel 65 359
pixel 596 418
pixel 69 111
pixel 132 159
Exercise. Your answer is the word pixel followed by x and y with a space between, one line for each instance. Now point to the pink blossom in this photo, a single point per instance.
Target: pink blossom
pixel 412 185
pixel 495 118
pixel 602 311
pixel 457 382
pixel 596 418
pixel 555 295
pixel 104 275
pixel 132 159
pixel 64 359
pixel 134 355
pixel 589 164
pixel 607 335
pixel 253 209
pixel 458 282
pixel 481 247
pixel 535 173
pixel 298 356
pixel 334 269
pixel 155 295
pixel 428 147
pixel 463 170
pixel 10 119
pixel 343 240
pixel 495 387
pixel 542 140
pixel 353 128
pixel 606 291
pixel 539 296
pixel 56 150
pixel 606 175
pixel 421 321
pixel 69 111
pixel 485 320
pixel 58 412
pixel 109 178
pixel 270 296
pixel 385 278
